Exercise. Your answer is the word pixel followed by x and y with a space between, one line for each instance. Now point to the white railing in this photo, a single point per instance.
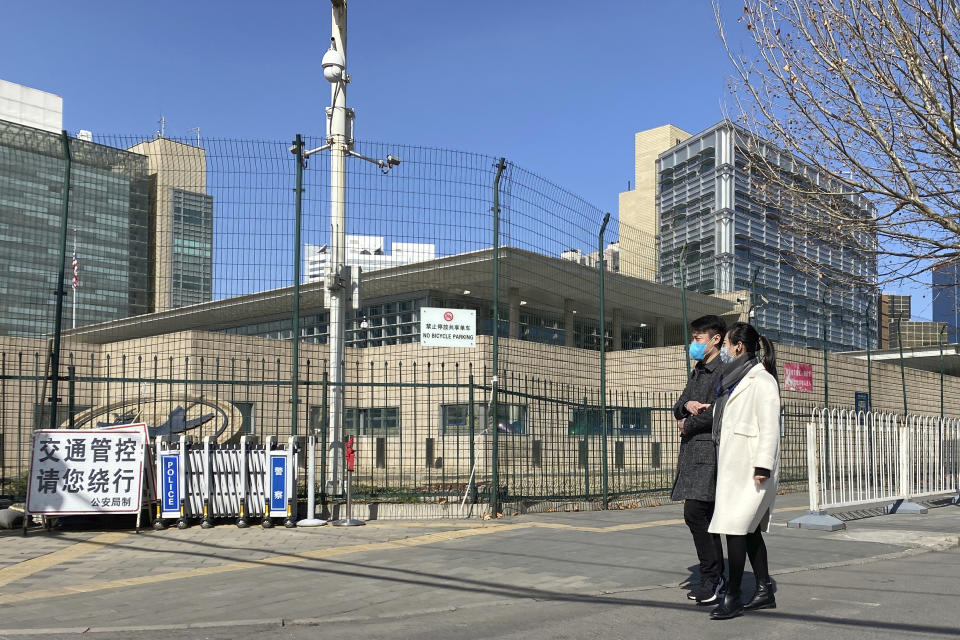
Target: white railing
pixel 852 458
pixel 857 458
pixel 933 464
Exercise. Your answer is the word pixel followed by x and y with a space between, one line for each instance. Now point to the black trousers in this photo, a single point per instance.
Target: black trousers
pixel 740 548
pixel 697 514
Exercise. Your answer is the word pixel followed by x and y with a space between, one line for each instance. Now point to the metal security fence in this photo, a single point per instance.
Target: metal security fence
pixel 423 430
pixel 203 287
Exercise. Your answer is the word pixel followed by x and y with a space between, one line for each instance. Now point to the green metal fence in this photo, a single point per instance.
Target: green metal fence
pixel 423 430
pixel 189 291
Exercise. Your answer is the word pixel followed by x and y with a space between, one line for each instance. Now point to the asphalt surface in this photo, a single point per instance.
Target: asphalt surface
pixel 609 574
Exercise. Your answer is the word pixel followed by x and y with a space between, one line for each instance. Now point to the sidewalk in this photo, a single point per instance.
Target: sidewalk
pixel 552 575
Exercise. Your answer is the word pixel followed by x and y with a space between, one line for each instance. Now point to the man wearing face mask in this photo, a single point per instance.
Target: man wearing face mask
pixel 696 478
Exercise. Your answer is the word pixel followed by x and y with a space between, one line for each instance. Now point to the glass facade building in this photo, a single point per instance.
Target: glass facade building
pixel 730 237
pixel 107 215
pixel 946 299
pixel 397 321
pixel 192 251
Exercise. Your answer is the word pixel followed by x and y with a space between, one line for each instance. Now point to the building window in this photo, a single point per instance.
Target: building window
pixel 247 426
pixel 589 422
pixel 454 419
pixel 636 421
pixel 372 421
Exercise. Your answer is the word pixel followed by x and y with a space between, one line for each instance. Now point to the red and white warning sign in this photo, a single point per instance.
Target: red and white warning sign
pixel 448 327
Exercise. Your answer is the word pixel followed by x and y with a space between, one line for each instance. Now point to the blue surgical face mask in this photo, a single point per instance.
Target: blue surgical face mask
pixel 724 356
pixel 697 350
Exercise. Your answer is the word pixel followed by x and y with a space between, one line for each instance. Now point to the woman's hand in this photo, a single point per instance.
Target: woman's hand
pixel 759 480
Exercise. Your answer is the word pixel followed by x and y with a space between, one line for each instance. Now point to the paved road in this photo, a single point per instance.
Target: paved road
pixel 613 574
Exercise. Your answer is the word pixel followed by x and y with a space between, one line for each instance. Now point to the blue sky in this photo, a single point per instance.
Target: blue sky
pixel 558 87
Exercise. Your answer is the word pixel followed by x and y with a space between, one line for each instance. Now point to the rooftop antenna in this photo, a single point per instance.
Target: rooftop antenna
pixel 197 129
pixel 163 126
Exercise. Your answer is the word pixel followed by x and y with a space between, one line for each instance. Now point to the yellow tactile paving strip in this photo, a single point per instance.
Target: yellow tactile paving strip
pixel 34 565
pixel 317 554
pixel 30 567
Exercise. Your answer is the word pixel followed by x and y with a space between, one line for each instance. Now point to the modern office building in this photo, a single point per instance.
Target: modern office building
pixel 893 308
pixel 946 298
pixel 728 233
pixel 181 212
pixel 107 221
pixel 916 333
pixel 367 252
pixel 639 222
pixel 30 107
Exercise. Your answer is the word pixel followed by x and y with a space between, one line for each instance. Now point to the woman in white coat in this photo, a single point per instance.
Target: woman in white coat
pixel 746 427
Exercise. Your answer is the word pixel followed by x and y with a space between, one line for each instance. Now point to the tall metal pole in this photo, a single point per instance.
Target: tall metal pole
pixel 940 343
pixel 869 368
pixel 751 314
pixel 494 383
pixel 826 369
pixel 683 306
pixel 58 319
pixel 333 278
pixel 73 285
pixel 295 373
pixel 603 362
pixel 826 366
pixel 903 376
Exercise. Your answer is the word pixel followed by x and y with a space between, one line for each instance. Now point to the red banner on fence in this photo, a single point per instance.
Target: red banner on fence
pixel 797 376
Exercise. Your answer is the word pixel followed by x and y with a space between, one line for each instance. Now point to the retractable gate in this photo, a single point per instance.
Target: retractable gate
pixel 238 481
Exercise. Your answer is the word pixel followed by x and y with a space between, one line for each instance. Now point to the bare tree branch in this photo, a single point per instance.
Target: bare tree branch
pixel 866 92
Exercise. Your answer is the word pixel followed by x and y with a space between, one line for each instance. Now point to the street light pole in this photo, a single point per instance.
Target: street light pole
pixel 338 280
pixel 337 138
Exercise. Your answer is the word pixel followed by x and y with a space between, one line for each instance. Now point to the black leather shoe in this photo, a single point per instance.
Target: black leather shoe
pixel 762 599
pixel 731 607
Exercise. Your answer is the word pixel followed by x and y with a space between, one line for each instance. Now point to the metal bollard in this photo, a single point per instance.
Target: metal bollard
pixel 184 521
pixel 207 479
pixel 290 483
pixel 311 520
pixel 267 523
pixel 242 522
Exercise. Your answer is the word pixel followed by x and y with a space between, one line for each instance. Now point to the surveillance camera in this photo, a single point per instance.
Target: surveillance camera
pixel 393 161
pixel 293 148
pixel 333 64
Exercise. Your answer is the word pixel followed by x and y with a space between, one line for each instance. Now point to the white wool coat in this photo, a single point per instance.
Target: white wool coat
pixel 749 437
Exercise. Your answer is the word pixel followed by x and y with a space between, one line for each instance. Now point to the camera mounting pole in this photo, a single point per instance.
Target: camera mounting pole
pixel 339 141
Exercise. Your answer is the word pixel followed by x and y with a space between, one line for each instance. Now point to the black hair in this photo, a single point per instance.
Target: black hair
pixel 714 325
pixel 745 334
